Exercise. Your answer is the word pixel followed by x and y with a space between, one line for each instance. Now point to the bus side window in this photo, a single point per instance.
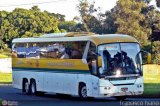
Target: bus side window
pixel 91 59
pixel 21 50
pixel 32 50
pixel 77 50
pixel 55 50
pixel 46 50
pixel 14 51
pixel 65 51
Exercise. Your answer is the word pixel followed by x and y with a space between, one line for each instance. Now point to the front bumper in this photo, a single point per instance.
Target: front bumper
pixel 117 91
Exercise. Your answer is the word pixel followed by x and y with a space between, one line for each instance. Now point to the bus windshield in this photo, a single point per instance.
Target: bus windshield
pixel 119 59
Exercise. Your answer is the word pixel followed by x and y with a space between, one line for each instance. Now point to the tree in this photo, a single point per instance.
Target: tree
pixel 152 18
pixel 35 8
pixel 156 52
pixel 69 26
pixel 32 23
pixel 83 9
pixel 26 23
pixel 129 19
pixel 155 25
pixel 158 3
pixel 109 25
pixel 58 16
pixel 90 21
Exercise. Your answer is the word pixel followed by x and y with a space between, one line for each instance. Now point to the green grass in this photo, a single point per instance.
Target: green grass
pixel 151 88
pixel 151 79
pixel 0 101
pixel 5 78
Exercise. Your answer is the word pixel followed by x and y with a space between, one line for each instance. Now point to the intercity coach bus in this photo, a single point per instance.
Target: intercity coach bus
pixel 83 64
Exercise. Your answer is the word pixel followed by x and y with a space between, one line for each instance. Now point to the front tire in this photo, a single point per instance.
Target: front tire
pixel 83 92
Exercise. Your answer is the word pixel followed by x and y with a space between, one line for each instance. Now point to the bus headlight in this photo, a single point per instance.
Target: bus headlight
pixel 118 72
pixel 139 86
pixel 107 88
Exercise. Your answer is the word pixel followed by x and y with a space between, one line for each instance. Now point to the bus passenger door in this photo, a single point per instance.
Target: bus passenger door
pixel 95 85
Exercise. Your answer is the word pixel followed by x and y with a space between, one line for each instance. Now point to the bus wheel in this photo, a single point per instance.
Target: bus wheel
pixel 83 91
pixel 33 88
pixel 26 87
pixel 119 98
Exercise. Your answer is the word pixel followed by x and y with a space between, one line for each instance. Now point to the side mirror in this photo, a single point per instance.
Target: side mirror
pixel 99 61
pixel 149 58
pixel 146 57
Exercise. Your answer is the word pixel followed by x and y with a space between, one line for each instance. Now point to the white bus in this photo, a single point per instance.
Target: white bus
pixel 78 64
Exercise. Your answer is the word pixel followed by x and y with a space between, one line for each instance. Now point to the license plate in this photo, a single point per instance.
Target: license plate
pixel 124 89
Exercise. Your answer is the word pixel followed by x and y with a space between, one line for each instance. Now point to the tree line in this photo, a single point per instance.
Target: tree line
pixel 133 17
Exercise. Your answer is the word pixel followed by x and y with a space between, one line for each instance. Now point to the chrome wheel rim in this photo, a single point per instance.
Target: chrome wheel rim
pixel 33 88
pixel 84 92
pixel 26 87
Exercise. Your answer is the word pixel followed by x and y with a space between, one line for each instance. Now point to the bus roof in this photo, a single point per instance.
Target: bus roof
pixel 97 39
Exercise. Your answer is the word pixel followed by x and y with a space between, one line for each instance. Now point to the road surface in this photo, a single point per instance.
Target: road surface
pixel 15 97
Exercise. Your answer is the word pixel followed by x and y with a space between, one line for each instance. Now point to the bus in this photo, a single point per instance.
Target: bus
pixel 80 64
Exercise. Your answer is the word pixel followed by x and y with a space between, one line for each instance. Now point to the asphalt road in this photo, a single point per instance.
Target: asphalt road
pixel 15 97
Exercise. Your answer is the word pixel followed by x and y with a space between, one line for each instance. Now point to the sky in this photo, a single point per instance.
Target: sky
pixel 65 7
pixel 153 2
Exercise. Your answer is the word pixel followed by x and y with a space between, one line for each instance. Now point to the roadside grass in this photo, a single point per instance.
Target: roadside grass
pixel 152 88
pixel 151 79
pixel 5 78
pixel 0 102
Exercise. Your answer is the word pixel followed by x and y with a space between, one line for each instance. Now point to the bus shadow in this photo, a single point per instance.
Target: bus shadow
pixel 75 98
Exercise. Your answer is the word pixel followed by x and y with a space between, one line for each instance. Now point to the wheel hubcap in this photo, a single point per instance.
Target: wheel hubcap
pixel 84 92
pixel 26 87
pixel 33 88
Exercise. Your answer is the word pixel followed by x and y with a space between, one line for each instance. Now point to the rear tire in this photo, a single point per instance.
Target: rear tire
pixel 33 88
pixel 26 87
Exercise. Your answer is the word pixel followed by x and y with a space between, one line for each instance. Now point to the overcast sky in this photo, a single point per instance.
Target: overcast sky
pixel 65 7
